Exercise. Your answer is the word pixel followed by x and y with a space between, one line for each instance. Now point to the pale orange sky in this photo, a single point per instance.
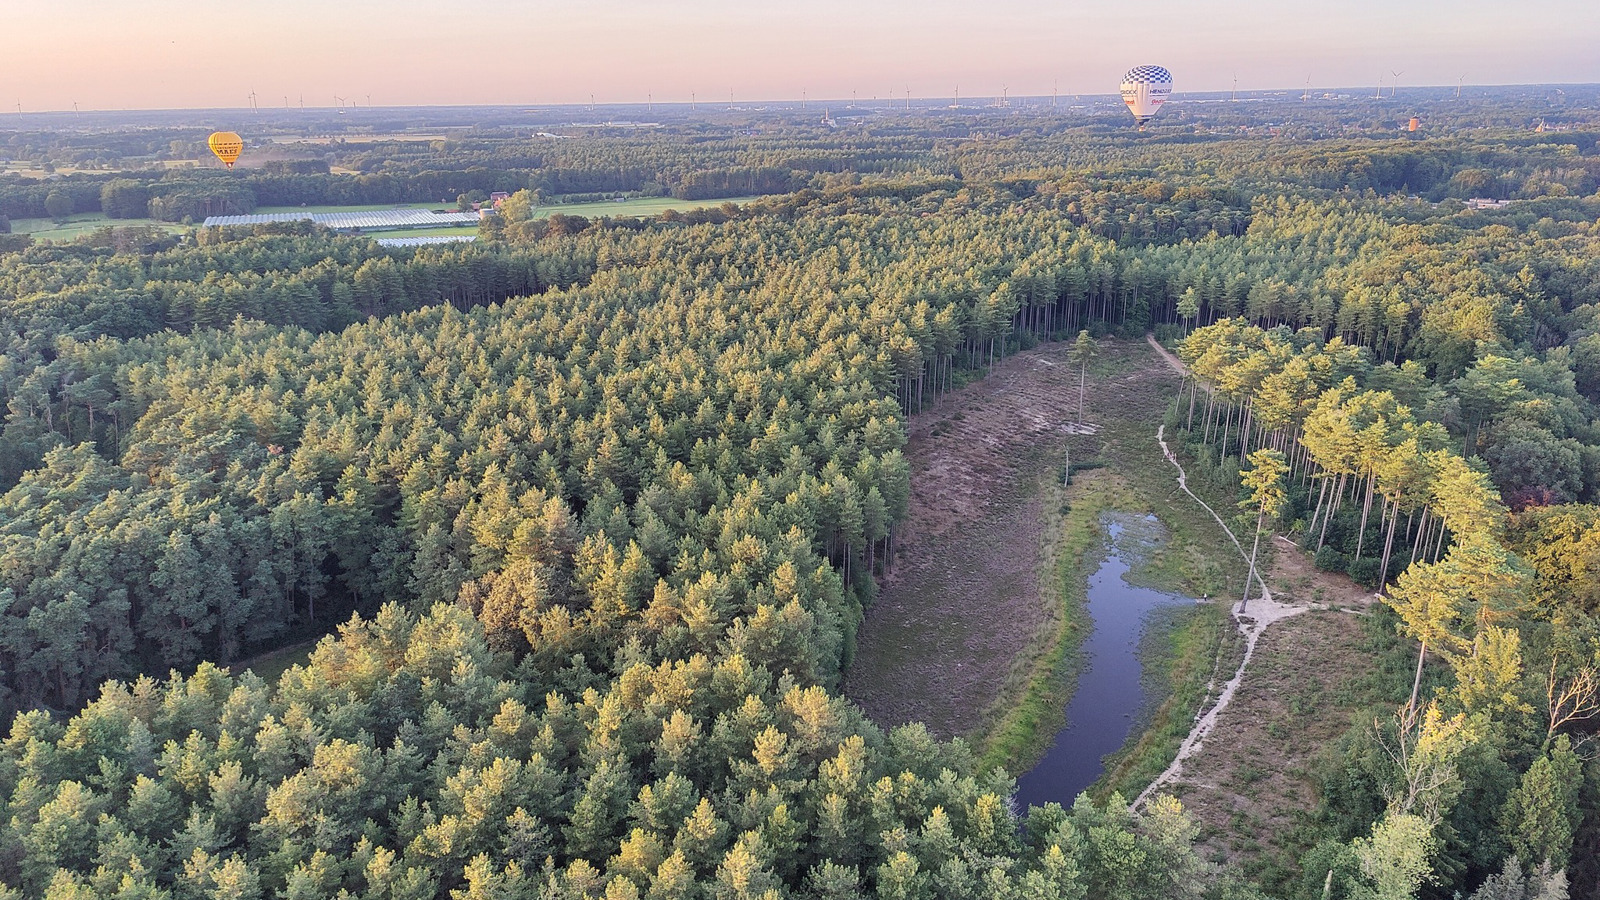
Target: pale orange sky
pixel 150 54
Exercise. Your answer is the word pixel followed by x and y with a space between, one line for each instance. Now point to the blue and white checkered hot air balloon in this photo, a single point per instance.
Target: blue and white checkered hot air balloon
pixel 1144 89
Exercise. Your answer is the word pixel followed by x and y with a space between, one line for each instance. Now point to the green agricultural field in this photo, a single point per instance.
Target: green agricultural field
pixel 77 226
pixel 424 232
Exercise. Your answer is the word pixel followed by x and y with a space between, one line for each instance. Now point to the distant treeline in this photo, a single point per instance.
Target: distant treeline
pixel 194 195
pixel 693 167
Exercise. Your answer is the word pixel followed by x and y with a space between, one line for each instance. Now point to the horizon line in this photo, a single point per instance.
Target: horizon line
pixel 716 104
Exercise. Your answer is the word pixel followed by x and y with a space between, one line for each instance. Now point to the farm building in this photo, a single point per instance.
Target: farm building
pixel 377 220
pixel 426 241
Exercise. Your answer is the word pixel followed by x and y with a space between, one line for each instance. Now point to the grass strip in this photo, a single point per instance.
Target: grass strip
pixel 1031 706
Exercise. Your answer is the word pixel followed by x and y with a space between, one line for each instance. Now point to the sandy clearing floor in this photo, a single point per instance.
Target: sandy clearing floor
pixel 963 598
pixel 1251 782
pixel 1252 619
pixel 1246 784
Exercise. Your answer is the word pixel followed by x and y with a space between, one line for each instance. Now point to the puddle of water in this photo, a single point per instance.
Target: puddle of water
pixel 1110 690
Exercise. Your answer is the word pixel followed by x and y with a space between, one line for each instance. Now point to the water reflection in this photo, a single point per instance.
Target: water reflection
pixel 1110 690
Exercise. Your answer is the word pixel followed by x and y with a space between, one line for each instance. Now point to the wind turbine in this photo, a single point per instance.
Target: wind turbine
pixel 1458 86
pixel 1396 82
pixel 1235 97
pixel 1306 95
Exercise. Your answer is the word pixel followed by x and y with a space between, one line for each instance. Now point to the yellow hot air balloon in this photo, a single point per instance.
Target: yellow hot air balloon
pixel 226 145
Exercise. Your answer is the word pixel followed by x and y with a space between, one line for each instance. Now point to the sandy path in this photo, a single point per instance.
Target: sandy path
pixel 1176 363
pixel 1263 611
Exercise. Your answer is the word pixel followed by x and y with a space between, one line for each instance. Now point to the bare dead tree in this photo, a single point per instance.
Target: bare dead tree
pixel 1427 768
pixel 1573 700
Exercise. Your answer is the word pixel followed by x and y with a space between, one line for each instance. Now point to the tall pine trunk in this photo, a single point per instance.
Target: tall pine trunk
pixel 1416 682
pixel 1366 509
pixel 1321 496
pixel 1249 579
pixel 1083 376
pixel 1388 546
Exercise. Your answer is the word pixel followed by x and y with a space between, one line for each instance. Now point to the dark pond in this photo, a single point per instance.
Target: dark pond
pixel 1110 692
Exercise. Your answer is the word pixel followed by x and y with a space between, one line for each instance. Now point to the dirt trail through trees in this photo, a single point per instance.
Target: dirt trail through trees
pixel 964 598
pixel 1252 620
pixel 1248 789
pixel 1256 617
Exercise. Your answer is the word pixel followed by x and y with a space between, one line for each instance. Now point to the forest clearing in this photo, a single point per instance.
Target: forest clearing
pixel 1246 770
pixel 980 609
pixel 974 630
pixel 963 599
pixel 1253 781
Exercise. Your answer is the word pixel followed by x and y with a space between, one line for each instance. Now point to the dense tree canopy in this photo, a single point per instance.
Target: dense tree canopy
pixel 600 503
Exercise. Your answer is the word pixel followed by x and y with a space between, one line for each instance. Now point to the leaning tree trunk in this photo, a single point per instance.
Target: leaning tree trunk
pixel 1388 545
pixel 1321 497
pixel 1416 540
pixel 1250 578
pixel 1416 682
